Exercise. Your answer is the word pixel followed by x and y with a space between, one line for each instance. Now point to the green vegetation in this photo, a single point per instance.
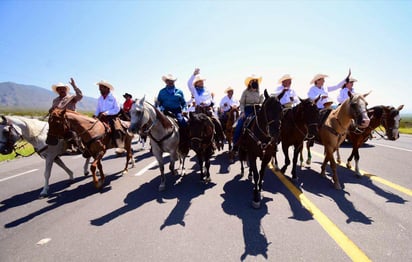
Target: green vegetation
pixel 405 126
pixel 23 148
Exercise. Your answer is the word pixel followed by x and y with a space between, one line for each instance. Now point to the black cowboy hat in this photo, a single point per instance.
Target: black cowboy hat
pixel 127 95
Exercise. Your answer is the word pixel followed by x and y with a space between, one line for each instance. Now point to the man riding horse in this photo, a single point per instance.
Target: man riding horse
pixel 204 103
pixel 171 101
pixel 107 111
pixel 226 104
pixel 65 100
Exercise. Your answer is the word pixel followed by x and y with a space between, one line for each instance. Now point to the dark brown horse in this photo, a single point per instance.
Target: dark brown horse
pixel 260 139
pixel 201 134
pixel 385 116
pixel 94 135
pixel 333 132
pixel 230 118
pixel 298 123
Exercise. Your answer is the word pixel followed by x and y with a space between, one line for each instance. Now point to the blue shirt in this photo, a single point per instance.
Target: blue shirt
pixel 171 98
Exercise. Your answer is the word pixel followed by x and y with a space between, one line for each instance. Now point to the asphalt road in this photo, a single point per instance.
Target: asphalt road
pixel 129 220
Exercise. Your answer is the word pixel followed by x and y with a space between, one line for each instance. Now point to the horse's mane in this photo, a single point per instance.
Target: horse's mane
pixel 34 126
pixel 162 118
pixel 81 115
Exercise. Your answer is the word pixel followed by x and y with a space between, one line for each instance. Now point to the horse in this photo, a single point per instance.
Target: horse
pixel 386 116
pixel 94 135
pixel 298 123
pixel 164 135
pixel 333 131
pixel 201 134
pixel 259 139
pixel 14 128
pixel 230 118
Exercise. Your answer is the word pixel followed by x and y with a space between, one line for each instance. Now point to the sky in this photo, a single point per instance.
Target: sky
pixel 132 44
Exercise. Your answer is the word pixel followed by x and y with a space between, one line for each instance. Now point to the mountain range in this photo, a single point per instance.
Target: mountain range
pixel 29 97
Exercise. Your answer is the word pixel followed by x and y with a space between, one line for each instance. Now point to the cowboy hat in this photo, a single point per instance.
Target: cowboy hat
pixel 105 83
pixel 60 84
pixel 351 79
pixel 317 77
pixel 251 77
pixel 198 78
pixel 327 100
pixel 229 89
pixel 127 95
pixel 169 77
pixel 284 77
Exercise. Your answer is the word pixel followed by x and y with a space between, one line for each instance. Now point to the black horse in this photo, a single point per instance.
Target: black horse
pixel 298 123
pixel 259 139
pixel 201 134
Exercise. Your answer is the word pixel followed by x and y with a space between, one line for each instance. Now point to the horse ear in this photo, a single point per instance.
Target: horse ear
pixel 266 94
pixel 365 95
pixel 400 107
pixel 4 120
pixel 300 99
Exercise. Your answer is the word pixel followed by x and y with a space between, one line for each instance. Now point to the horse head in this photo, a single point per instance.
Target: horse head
pixel 58 126
pixel 137 115
pixel 8 136
pixel 201 132
pixel 309 113
pixel 391 120
pixel 271 113
pixel 358 109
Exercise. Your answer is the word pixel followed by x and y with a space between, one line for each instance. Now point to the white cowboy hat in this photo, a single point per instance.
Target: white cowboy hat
pixel 169 77
pixel 229 89
pixel 106 84
pixel 251 77
pixel 351 79
pixel 60 84
pixel 198 78
pixel 317 77
pixel 327 100
pixel 284 77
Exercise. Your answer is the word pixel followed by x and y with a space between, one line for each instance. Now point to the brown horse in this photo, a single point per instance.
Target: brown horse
pixel 298 123
pixel 333 132
pixel 94 135
pixel 230 118
pixel 259 139
pixel 201 133
pixel 386 116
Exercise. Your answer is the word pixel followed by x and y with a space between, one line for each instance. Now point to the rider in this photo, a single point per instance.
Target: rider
pixel 347 87
pixel 127 105
pixel 204 103
pixel 248 101
pixel 65 100
pixel 226 104
pixel 319 90
pixel 289 98
pixel 107 110
pixel 171 99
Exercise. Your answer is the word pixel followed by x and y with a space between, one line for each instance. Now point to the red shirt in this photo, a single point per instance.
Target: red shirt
pixel 127 105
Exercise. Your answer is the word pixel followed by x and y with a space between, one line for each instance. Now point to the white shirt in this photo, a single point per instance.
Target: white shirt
pixel 107 105
pixel 290 96
pixel 343 94
pixel 229 103
pixel 315 91
pixel 205 97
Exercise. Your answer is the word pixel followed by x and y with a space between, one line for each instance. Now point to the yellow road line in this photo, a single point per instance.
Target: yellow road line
pixel 376 178
pixel 347 245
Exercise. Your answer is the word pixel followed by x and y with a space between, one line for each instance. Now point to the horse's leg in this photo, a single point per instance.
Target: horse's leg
pixel 200 161
pixel 325 162
pixel 93 167
pixel 129 154
pixel 47 172
pixel 285 149
pixel 86 166
pixel 357 157
pixel 256 180
pixel 352 154
pixel 338 160
pixel 309 160
pixel 159 157
pixel 335 173
pixel 301 155
pixel 296 152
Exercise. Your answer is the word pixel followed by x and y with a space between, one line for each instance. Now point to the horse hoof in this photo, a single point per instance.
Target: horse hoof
pixel 308 162
pixel 337 186
pixel 348 165
pixel 125 172
pixel 43 195
pixel 256 205
pixel 86 173
pixel 162 187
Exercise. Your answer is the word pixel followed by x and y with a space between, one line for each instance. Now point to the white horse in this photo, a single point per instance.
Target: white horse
pixel 14 128
pixel 163 132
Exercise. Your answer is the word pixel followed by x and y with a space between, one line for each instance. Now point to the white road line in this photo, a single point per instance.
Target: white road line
pixel 152 164
pixel 393 147
pixel 24 173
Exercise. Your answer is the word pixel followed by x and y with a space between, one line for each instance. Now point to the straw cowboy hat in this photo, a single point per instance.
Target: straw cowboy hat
pixel 105 83
pixel 60 84
pixel 169 77
pixel 251 77
pixel 198 78
pixel 229 89
pixel 284 77
pixel 317 77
